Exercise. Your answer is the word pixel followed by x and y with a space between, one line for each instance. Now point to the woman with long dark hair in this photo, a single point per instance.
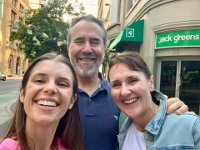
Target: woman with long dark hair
pixel 48 100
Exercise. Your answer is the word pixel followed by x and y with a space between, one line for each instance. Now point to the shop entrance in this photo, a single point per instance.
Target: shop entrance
pixel 181 78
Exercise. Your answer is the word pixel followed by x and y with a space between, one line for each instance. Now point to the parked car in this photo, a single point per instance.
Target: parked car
pixel 2 77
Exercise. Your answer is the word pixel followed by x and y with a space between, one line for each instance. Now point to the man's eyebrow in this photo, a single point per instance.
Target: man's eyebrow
pixel 78 38
pixel 96 39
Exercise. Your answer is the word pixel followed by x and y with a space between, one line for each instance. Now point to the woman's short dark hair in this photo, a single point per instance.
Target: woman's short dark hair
pixel 132 60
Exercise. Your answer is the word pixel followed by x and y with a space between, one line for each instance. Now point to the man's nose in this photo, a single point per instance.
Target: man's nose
pixel 87 47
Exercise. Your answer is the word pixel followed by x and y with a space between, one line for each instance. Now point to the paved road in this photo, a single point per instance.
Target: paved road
pixel 9 86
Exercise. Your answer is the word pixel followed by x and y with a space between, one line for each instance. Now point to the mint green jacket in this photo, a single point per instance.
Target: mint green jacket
pixel 166 132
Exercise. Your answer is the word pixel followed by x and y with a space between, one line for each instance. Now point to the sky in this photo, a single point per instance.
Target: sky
pixel 90 6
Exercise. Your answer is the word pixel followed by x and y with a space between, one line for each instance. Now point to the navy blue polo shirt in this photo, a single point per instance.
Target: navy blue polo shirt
pixel 99 117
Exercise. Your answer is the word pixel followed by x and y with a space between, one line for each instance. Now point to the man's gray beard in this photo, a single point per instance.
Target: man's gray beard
pixel 87 73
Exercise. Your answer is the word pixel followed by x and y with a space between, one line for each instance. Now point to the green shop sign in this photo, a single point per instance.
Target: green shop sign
pixel 133 33
pixel 185 38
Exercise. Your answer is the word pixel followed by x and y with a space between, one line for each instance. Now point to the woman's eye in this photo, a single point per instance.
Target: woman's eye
pixel 39 81
pixel 133 80
pixel 63 84
pixel 115 85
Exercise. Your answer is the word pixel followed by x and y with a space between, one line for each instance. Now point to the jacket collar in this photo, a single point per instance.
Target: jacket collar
pixel 157 121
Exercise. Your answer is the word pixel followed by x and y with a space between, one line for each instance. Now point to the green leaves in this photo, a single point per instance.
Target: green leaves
pixel 44 30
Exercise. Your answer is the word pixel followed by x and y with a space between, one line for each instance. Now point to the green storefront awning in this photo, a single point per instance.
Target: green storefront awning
pixel 133 33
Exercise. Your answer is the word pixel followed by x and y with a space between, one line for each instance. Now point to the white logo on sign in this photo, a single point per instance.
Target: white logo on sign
pixel 129 32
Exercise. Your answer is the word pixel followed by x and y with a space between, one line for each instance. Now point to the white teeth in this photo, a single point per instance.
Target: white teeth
pixel 47 103
pixel 130 101
pixel 87 59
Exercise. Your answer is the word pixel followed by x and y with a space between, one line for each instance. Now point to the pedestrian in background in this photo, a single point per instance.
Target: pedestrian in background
pixel 143 118
pixel 86 44
pixel 48 99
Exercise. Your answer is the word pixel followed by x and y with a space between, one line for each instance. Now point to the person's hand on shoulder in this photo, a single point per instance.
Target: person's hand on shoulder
pixel 175 104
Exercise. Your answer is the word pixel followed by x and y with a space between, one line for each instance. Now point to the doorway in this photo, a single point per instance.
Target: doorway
pixel 181 78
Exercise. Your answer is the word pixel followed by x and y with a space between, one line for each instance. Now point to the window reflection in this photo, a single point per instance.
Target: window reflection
pixel 189 86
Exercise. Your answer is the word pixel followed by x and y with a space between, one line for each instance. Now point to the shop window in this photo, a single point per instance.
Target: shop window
pixel 182 79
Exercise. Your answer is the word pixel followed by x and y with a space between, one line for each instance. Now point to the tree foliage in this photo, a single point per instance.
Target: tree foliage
pixel 44 30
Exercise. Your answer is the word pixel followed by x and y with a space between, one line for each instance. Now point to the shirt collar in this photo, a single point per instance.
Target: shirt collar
pixel 104 86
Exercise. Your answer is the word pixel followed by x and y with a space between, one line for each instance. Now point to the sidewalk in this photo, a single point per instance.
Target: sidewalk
pixel 7 106
pixel 6 113
pixel 7 109
pixel 14 78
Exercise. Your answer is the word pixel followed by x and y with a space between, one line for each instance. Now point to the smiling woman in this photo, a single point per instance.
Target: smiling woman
pixel 143 118
pixel 47 101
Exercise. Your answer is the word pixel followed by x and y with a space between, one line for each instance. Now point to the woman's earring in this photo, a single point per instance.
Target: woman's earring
pixel 70 107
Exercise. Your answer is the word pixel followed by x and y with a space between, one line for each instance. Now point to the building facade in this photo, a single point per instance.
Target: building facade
pixel 166 33
pixel 12 61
